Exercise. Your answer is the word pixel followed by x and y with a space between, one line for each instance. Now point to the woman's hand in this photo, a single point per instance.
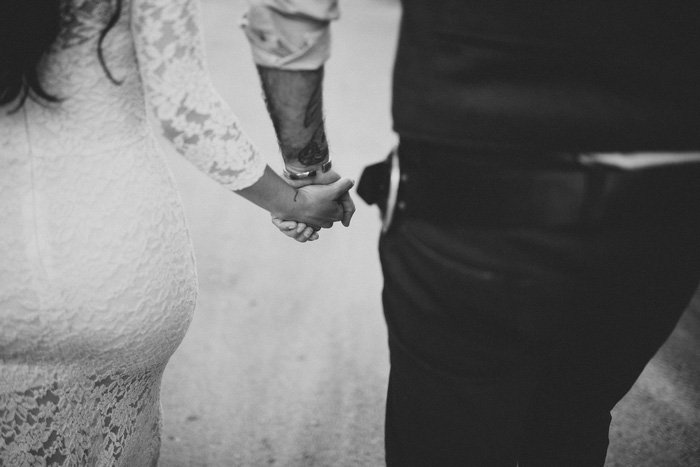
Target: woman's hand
pixel 296 230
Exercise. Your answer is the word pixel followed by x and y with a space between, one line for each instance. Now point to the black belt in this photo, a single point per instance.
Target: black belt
pixel 498 195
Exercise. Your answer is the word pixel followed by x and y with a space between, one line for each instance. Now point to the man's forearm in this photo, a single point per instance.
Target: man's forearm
pixel 295 102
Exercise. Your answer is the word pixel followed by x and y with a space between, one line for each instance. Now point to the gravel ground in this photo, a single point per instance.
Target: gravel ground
pixel 285 362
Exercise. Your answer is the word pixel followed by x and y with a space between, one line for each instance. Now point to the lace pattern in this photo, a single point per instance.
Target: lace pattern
pixel 200 124
pixel 89 424
pixel 80 19
pixel 97 278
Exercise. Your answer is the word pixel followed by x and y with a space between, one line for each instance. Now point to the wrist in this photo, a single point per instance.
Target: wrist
pixel 298 172
pixel 273 194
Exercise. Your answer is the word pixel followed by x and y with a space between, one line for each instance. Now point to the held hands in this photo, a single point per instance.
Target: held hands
pixel 295 102
pixel 322 200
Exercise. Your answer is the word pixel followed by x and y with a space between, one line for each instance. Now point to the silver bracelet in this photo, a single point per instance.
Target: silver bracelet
pixel 325 167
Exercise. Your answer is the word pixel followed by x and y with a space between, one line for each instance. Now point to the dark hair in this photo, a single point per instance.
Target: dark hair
pixel 27 30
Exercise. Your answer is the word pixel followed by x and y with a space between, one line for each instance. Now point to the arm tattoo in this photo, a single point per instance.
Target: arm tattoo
pixel 294 100
pixel 314 109
pixel 270 106
pixel 316 149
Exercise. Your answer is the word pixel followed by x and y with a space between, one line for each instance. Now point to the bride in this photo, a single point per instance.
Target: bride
pixel 97 279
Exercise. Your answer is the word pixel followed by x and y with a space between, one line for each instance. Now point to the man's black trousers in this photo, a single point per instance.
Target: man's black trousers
pixel 511 342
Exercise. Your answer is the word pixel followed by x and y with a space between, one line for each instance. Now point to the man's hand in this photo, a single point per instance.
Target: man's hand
pixel 319 206
pixel 326 178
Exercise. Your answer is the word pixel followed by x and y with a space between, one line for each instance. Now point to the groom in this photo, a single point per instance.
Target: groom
pixel 544 240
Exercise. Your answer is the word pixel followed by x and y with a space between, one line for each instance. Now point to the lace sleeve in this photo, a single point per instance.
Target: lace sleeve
pixel 201 125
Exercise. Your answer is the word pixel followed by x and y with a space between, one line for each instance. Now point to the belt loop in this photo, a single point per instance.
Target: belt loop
pixel 393 194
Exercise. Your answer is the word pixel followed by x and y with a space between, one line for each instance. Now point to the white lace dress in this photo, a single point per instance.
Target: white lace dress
pixel 97 280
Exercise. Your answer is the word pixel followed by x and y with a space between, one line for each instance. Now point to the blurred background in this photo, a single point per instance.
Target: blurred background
pixel 286 361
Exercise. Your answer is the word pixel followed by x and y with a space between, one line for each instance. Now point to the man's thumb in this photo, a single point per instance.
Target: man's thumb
pixel 342 186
